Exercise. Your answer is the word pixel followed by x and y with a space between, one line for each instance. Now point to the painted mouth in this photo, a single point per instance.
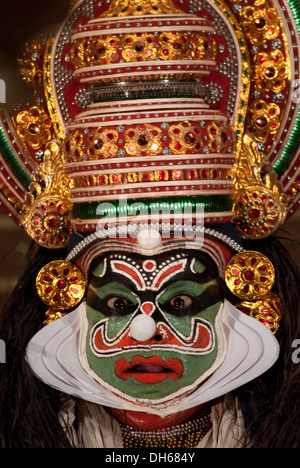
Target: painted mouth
pixel 149 370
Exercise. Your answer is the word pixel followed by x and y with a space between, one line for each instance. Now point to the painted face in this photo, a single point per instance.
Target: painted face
pixel 151 329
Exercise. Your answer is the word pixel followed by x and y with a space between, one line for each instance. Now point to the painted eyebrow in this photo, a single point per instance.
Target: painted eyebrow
pixel 202 278
pixel 168 272
pixel 130 272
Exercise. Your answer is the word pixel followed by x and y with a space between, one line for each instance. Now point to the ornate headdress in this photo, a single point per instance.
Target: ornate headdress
pixel 146 105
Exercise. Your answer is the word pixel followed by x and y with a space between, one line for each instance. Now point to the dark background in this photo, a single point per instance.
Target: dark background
pixel 21 21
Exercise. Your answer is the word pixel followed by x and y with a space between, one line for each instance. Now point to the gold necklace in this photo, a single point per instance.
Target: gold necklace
pixel 185 435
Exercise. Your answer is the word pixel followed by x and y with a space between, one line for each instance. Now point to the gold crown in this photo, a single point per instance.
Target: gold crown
pixel 157 103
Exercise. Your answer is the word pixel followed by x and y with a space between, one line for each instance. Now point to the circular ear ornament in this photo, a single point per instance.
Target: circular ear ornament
pixel 249 275
pixel 267 310
pixel 60 285
pixel 258 213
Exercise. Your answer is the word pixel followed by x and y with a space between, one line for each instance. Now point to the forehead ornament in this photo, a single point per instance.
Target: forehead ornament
pixel 149 239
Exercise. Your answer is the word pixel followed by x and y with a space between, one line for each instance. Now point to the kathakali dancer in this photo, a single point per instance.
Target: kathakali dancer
pixel 152 169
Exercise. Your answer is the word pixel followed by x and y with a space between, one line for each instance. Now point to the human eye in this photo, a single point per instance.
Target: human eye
pixel 119 304
pixel 181 302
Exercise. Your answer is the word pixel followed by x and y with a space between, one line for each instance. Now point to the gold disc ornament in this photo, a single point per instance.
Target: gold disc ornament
pixel 60 285
pixel 268 310
pixel 249 275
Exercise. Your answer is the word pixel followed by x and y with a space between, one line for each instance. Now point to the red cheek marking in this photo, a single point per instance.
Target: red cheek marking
pixel 149 370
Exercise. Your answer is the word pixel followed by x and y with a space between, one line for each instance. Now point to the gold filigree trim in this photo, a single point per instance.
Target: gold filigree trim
pixel 94 180
pixel 34 128
pixel 30 69
pixel 49 93
pixel 271 65
pixel 47 210
pixel 143 47
pixel 268 310
pixel 260 205
pixel 141 7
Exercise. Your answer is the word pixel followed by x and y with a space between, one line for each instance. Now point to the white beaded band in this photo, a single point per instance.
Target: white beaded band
pixel 132 230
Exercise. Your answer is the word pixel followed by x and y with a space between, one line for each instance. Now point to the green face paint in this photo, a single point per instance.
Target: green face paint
pixel 180 298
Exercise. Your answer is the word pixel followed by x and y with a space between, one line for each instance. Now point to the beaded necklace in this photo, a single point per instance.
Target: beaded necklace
pixel 185 435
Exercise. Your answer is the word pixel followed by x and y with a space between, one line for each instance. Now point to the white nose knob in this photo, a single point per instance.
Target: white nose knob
pixel 142 328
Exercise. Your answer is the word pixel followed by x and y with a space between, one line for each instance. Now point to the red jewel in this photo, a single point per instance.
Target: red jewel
pixel 61 284
pixel 56 298
pixel 191 175
pixel 177 174
pixel 162 175
pixel 48 279
pixel 67 297
pixel 254 213
pixel 249 275
pixel 52 223
pixel 115 178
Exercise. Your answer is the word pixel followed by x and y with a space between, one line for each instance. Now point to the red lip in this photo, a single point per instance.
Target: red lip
pixel 149 370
